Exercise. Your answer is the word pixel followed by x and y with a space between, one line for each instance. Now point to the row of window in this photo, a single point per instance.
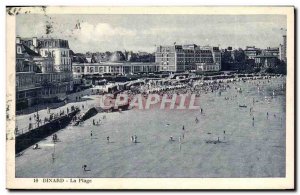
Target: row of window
pixel 66 61
pixel 50 53
pixel 33 80
pixel 209 68
pixel 43 91
pixel 107 69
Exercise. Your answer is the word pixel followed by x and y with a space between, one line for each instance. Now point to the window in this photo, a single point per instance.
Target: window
pixel 19 50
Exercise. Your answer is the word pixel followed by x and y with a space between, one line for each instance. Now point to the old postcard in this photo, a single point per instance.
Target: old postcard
pixel 150 97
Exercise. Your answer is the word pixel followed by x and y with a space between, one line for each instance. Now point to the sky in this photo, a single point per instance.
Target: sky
pixel 110 32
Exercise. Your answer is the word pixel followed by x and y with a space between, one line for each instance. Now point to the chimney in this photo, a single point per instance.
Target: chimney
pixel 34 41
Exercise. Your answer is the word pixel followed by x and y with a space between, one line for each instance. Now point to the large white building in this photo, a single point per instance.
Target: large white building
pixel 43 70
pixel 59 50
pixel 180 58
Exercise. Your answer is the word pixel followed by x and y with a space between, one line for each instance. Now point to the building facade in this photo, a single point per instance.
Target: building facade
pixel 113 68
pixel 180 58
pixel 59 50
pixel 42 74
pixel 251 52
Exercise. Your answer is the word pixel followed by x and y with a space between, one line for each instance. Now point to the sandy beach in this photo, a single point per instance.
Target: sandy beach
pixel 226 142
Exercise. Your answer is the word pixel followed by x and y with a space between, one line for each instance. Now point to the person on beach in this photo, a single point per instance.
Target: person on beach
pixel 171 138
pixel 91 134
pixel 54 137
pixel 183 127
pixel 132 139
pixel 94 122
pixel 135 139
pixel 84 167
pixel 35 147
pixel 267 115
pixel 179 139
pixel 107 138
pixel 196 120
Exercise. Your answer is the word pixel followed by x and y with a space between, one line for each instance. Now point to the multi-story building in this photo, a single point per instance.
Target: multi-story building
pixel 267 58
pixel 180 58
pixel 271 51
pixel 251 52
pixel 42 74
pixel 170 58
pixel 265 61
pixel 59 50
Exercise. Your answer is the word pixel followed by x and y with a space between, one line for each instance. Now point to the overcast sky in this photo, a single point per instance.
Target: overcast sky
pixel 143 32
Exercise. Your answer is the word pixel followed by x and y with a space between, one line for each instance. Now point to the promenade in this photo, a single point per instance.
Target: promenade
pixel 86 102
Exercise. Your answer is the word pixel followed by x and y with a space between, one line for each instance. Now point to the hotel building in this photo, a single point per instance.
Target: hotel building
pixel 180 58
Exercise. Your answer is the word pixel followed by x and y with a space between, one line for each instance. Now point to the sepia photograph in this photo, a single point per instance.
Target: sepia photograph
pixel 186 98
